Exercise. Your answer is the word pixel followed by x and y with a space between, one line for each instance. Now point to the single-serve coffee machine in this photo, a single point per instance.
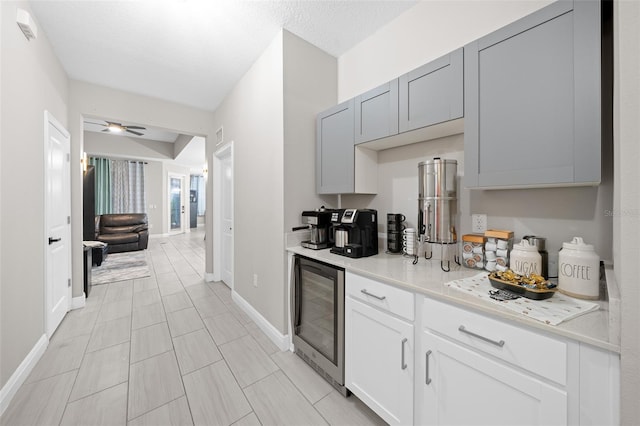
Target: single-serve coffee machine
pixel 319 222
pixel 355 232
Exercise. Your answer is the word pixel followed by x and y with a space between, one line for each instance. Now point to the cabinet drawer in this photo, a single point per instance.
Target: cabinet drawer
pixel 542 355
pixel 383 296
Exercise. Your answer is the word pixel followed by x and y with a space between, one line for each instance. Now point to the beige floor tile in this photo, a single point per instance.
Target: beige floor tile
pixel 110 333
pixel 174 413
pixel 170 287
pixel 195 350
pixel 305 378
pixel 150 341
pixel 152 383
pixel 146 297
pixel 96 294
pixel 191 279
pixel 145 316
pixel 225 328
pixel 76 323
pixel 167 277
pixel 265 343
pixel 105 408
pixel 198 291
pixel 114 310
pixel 184 321
pixel 177 301
pixel 248 362
pixel 276 401
pixel 338 410
pixel 222 291
pixel 249 420
pixel 121 290
pixel 239 314
pixel 214 396
pixel 61 356
pixel 100 370
pixel 209 306
pixel 143 284
pixel 162 266
pixel 40 403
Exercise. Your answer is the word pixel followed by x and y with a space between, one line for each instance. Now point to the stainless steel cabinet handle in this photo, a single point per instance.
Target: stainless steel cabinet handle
pixel 402 363
pixel 486 339
pixel 364 291
pixel 427 379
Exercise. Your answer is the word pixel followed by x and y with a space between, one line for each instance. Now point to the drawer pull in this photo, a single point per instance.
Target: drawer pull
pixel 402 363
pixel 486 339
pixel 364 291
pixel 427 379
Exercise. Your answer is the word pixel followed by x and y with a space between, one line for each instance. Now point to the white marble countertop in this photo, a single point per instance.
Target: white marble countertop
pixel 599 328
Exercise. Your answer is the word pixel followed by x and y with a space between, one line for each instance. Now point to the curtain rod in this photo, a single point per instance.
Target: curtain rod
pixel 120 159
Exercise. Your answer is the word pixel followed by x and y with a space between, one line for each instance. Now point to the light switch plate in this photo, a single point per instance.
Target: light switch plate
pixel 478 222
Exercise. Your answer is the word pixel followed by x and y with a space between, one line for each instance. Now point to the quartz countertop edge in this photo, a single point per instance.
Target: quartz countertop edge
pixel 596 328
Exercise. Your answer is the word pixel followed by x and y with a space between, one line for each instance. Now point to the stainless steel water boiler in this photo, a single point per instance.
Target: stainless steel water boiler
pixel 436 195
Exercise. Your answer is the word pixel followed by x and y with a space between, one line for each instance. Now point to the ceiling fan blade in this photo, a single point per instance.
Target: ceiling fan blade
pixel 105 130
pixel 135 133
pixel 136 127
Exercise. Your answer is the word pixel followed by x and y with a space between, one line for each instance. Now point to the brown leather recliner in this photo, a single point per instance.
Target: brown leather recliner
pixel 123 232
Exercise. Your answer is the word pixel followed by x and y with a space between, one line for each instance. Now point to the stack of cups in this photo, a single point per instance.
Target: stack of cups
pixel 395 227
pixel 409 240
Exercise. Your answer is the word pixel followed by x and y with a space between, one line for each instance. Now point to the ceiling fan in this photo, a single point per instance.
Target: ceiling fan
pixel 114 127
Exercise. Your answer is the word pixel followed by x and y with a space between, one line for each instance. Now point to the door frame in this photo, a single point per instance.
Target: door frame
pixel 220 154
pixel 182 230
pixel 49 119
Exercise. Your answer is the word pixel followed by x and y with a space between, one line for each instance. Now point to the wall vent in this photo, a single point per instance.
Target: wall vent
pixel 219 136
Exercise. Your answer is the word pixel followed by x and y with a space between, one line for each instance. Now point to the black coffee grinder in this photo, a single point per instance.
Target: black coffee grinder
pixel 355 233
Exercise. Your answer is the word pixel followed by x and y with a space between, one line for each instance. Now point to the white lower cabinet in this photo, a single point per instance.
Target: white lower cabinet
pixel 463 387
pixel 379 369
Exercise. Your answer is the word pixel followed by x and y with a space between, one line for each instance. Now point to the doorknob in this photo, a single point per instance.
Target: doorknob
pixel 54 240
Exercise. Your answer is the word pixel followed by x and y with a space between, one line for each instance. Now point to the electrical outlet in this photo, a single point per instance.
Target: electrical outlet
pixel 478 222
pixel 255 280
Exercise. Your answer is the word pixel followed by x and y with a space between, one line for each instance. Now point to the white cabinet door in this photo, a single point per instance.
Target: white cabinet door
pixel 462 387
pixel 379 361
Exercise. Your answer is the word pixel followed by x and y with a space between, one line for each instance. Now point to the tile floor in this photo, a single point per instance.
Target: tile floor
pixel 172 349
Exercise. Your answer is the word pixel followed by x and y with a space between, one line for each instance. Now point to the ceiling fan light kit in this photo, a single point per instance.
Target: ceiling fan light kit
pixel 113 127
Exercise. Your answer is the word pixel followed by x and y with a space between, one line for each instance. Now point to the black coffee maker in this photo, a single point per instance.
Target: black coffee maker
pixel 355 232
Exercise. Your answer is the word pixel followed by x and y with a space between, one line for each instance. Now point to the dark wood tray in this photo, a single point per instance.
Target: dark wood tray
pixel 529 293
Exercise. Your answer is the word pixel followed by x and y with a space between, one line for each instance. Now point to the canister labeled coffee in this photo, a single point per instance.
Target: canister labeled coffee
pixel 579 270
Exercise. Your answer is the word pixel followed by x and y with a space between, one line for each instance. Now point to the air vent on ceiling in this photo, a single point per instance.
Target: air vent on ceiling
pixel 219 136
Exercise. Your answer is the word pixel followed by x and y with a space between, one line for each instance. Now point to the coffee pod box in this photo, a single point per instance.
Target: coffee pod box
pixel 579 270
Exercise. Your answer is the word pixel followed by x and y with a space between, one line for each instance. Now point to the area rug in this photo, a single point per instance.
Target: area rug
pixel 121 267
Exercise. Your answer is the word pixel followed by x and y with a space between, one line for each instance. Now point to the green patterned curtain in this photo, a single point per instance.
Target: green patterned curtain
pixel 103 184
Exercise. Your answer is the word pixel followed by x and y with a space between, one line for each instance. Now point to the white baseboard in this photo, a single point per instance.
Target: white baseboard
pixel 78 302
pixel 279 339
pixel 158 235
pixel 209 277
pixel 18 377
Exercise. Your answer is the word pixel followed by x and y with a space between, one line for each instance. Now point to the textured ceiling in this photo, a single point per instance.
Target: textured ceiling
pixel 194 51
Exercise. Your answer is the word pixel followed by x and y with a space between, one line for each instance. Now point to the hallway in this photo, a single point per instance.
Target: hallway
pixel 172 349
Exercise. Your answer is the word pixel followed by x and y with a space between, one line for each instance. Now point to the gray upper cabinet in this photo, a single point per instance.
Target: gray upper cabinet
pixel 335 150
pixel 533 100
pixel 433 93
pixel 376 113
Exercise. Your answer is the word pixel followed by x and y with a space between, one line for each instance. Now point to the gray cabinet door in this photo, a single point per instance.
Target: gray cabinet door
pixel 432 93
pixel 532 100
pixel 376 113
pixel 335 150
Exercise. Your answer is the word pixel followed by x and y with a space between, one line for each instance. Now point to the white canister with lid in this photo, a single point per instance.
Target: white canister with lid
pixel 525 259
pixel 579 270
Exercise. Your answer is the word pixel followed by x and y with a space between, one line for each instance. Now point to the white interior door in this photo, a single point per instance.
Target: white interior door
pixel 57 223
pixel 223 214
pixel 176 203
pixel 227 220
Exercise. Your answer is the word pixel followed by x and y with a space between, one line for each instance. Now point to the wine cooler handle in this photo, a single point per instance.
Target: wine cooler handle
pixel 402 363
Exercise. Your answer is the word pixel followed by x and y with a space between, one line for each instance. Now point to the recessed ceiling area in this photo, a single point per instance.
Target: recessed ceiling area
pixel 159 144
pixel 193 51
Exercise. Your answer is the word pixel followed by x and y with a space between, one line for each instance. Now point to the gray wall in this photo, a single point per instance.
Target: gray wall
pixel 272 125
pixel 626 250
pixel 32 81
